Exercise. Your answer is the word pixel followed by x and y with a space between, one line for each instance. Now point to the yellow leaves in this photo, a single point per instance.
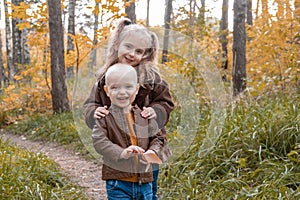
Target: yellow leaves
pixel 96 11
pixel 10 88
pixel 272 53
pixel 36 79
pixel 20 11
pixel 17 78
pixel 24 25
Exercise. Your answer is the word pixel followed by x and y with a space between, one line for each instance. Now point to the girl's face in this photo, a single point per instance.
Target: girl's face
pixel 132 49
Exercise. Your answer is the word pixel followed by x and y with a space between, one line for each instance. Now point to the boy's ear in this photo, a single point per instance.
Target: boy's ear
pixel 106 90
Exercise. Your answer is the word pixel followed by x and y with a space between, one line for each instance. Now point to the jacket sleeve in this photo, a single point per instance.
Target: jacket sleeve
pixel 161 101
pixel 102 144
pixel 158 143
pixel 91 103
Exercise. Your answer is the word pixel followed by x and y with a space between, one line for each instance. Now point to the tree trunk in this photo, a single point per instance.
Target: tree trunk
pixel 16 39
pixel 130 11
pixel 297 9
pixel 92 63
pixel 25 60
pixel 8 39
pixel 1 64
pixel 71 32
pixel 265 7
pixel 239 47
pixel 249 13
pixel 147 18
pixel 223 37
pixel 59 93
pixel 168 12
pixel 202 12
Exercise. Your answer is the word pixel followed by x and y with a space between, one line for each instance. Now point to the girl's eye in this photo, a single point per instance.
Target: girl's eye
pixel 139 51
pixel 128 46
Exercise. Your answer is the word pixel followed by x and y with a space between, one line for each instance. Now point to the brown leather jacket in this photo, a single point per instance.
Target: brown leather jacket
pixel 111 136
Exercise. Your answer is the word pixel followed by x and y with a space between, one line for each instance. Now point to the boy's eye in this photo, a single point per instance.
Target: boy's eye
pixel 114 88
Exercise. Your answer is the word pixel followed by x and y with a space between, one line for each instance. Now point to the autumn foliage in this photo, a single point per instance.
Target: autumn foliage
pixel 272 52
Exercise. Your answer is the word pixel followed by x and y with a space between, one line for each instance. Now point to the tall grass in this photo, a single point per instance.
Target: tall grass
pixel 257 155
pixel 26 175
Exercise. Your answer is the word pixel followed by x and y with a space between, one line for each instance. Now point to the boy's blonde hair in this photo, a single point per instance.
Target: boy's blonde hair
pixel 120 70
pixel 147 68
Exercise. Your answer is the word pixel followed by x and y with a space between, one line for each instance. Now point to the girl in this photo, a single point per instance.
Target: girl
pixel 137 46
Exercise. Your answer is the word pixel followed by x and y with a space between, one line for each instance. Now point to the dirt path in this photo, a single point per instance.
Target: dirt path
pixel 85 173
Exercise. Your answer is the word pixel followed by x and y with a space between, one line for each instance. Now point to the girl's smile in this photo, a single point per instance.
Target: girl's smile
pixel 132 49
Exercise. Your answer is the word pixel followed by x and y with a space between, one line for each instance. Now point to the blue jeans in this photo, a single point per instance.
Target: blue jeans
pixel 125 190
pixel 155 168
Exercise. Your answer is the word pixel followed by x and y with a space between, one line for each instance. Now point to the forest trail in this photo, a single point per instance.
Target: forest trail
pixel 85 173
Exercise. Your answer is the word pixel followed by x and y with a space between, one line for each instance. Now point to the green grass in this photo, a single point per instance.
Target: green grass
pixel 257 155
pixel 26 175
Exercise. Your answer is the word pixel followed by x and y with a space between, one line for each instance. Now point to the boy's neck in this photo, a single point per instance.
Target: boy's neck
pixel 124 109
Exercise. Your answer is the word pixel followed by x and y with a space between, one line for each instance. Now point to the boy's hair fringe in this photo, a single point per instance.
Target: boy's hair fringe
pixel 147 69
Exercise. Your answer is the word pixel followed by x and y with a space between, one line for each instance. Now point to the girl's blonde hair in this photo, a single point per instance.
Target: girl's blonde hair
pixel 147 68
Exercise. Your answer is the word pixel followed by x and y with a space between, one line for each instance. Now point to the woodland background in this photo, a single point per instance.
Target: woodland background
pixel 50 51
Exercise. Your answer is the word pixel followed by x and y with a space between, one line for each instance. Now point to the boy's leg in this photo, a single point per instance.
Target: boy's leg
pixel 116 190
pixel 124 190
pixel 144 191
pixel 155 168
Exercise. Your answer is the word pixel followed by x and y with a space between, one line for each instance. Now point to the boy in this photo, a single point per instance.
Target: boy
pixel 127 142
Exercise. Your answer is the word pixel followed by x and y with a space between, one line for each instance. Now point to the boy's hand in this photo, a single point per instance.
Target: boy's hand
pixel 101 112
pixel 131 151
pixel 148 113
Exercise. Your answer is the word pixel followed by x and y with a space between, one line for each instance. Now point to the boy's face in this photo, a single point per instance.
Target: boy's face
pixel 132 49
pixel 122 88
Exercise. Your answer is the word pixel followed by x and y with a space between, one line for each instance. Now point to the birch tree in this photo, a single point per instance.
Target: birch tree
pixel 59 94
pixel 8 39
pixel 16 40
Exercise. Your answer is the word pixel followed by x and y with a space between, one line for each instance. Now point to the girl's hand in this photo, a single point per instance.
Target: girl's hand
pixel 100 112
pixel 148 113
pixel 131 151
